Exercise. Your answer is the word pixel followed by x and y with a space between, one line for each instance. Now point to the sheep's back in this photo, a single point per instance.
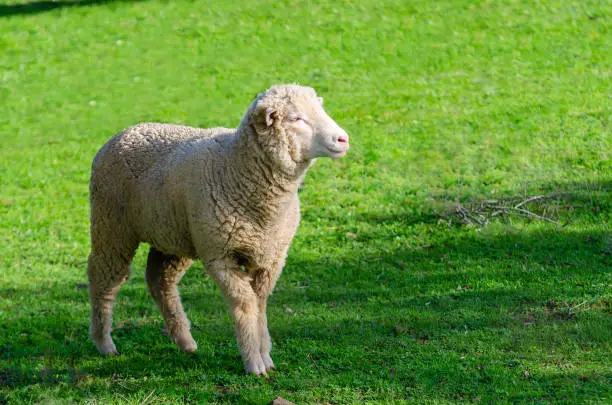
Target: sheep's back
pixel 143 146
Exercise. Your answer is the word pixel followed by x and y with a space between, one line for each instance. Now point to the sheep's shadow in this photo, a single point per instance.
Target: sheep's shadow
pixel 35 7
pixel 447 303
pixel 351 302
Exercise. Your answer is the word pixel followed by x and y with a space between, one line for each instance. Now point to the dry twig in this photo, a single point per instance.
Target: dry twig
pixel 479 213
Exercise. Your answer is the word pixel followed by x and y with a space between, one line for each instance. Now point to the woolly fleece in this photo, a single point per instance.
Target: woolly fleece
pixel 225 196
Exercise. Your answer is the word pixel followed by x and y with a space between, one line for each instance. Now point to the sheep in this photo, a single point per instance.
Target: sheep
pixel 227 197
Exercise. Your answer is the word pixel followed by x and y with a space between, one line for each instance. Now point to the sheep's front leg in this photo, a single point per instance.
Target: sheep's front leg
pixel 264 334
pixel 236 286
pixel 263 283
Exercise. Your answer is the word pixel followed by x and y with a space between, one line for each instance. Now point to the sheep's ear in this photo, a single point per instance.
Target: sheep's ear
pixel 320 100
pixel 270 116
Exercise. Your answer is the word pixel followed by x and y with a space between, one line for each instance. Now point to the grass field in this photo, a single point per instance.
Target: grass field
pixel 386 296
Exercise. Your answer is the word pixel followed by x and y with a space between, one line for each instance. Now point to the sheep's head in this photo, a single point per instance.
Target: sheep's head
pixel 290 122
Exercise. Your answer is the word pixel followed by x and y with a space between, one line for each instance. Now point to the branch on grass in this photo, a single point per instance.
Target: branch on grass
pixel 524 213
pixel 479 213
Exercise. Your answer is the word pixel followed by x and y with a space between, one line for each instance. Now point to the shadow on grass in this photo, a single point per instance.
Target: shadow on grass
pixel 454 318
pixel 34 7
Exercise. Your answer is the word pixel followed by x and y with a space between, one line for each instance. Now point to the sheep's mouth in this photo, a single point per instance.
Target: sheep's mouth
pixel 337 152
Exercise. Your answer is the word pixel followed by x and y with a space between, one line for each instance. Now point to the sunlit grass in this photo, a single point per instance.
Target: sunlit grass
pixel 382 299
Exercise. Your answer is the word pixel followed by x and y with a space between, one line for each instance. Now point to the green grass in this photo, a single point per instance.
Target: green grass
pixel 381 301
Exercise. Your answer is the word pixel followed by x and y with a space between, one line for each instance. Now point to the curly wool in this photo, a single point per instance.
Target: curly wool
pixel 225 196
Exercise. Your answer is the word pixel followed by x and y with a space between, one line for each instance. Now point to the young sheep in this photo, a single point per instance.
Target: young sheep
pixel 225 196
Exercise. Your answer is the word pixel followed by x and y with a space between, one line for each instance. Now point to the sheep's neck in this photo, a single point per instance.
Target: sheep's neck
pixel 261 187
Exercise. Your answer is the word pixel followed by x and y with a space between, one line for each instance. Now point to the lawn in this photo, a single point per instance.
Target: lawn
pixel 387 296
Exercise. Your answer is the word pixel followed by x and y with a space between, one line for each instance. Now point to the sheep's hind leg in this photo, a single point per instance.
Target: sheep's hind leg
pixel 107 269
pixel 236 286
pixel 164 272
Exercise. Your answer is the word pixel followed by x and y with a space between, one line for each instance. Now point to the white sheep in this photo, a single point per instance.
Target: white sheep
pixel 225 196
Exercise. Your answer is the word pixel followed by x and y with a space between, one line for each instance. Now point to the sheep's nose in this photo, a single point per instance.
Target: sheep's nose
pixel 343 139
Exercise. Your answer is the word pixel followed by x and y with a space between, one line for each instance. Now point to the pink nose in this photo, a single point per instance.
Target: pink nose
pixel 343 139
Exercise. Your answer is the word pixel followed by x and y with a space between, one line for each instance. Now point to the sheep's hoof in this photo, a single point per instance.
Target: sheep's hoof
pixel 190 349
pixel 107 349
pixel 259 374
pixel 256 367
pixel 113 353
pixel 268 363
pixel 187 344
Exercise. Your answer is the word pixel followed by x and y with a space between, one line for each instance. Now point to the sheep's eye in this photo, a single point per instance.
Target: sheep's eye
pixel 295 118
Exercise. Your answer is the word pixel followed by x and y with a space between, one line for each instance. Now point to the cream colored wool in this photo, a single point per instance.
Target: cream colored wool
pixel 225 196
